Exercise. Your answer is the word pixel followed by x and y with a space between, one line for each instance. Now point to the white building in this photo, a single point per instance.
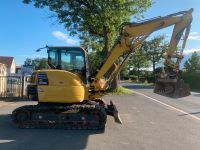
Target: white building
pixel 10 64
pixel 3 79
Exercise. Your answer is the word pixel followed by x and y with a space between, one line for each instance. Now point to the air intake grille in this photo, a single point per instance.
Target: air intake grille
pixel 42 78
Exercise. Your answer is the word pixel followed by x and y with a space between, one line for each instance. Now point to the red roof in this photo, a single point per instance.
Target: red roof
pixel 6 60
pixel 2 64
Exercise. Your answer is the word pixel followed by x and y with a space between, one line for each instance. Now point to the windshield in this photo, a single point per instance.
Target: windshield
pixel 69 59
pixel 72 60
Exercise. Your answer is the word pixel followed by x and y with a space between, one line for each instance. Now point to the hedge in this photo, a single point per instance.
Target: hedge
pixel 193 79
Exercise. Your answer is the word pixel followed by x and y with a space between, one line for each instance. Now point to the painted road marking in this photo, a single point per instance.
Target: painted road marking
pixel 5 141
pixel 13 104
pixel 169 106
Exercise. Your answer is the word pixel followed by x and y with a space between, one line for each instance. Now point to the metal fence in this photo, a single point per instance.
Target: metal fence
pixel 12 86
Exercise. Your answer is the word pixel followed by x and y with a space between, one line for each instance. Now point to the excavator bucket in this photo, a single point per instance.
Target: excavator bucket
pixel 175 88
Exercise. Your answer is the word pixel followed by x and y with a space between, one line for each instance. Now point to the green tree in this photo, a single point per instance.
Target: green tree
pixel 139 60
pixel 192 65
pixel 154 49
pixel 28 62
pixel 39 63
pixel 96 22
pixel 124 73
pixel 95 60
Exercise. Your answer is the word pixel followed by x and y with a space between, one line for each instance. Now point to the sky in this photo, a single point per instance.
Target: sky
pixel 24 28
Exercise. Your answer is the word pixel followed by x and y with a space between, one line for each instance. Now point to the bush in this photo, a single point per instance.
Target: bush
pixel 119 91
pixel 150 79
pixel 193 79
pixel 133 77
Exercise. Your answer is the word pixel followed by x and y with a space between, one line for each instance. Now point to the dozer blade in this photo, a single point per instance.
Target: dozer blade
pixel 112 110
pixel 175 88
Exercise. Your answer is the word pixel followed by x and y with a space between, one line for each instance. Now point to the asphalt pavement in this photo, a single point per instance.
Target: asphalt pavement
pixel 150 122
pixel 189 104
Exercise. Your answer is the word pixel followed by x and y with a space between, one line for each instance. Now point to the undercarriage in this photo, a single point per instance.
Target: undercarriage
pixel 89 116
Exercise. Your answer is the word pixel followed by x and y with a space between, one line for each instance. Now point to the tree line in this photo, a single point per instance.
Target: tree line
pixel 191 72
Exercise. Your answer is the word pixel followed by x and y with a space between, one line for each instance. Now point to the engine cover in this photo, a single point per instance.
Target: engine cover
pixel 59 86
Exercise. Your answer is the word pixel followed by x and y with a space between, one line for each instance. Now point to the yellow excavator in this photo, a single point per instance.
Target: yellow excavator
pixel 68 97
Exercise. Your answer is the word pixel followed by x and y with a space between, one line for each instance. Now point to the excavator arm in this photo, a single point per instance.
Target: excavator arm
pixel 132 35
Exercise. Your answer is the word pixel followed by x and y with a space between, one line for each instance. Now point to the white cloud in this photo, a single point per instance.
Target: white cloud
pixel 39 56
pixel 194 36
pixel 34 56
pixel 64 37
pixel 192 50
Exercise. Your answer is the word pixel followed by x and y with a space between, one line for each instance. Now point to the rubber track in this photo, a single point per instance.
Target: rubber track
pixel 94 110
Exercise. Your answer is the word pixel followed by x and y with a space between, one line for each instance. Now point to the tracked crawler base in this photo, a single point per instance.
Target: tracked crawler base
pixel 88 116
pixel 84 116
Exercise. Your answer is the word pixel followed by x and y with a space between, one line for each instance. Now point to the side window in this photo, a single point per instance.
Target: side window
pixel 65 61
pixel 53 58
pixel 80 62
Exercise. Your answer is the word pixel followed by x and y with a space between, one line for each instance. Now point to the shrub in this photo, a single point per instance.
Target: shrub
pixel 193 79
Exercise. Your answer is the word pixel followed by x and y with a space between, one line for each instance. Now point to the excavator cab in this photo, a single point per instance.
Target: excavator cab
pixel 72 59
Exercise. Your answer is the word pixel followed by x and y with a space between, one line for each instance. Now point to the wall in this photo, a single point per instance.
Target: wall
pixel 3 80
pixel 13 67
